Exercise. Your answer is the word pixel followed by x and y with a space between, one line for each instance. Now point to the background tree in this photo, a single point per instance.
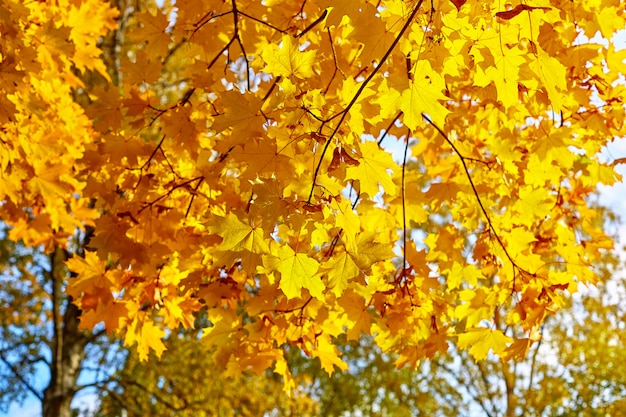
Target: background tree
pixel 186 381
pixel 226 162
pixel 37 320
pixel 42 350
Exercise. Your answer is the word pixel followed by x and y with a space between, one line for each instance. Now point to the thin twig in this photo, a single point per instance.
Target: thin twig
pixel 364 84
pixel 312 25
pixel 261 22
pixel 174 188
pixel 471 181
pixel 21 378
pixel 403 191
pixel 193 195
pixel 393 122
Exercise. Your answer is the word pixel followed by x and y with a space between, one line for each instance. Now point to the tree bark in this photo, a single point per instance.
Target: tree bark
pixel 68 345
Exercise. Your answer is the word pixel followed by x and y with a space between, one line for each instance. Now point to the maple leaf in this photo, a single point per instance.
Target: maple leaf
pixel 458 274
pixel 482 340
pixel 552 74
pixel 143 70
pixel 106 109
pixel 262 156
pixel 152 32
pixel 518 349
pixel 238 236
pixel 478 309
pixel 86 22
pixel 370 249
pixel 48 185
pixel 241 113
pixel 297 271
pixel 423 97
pixel 90 272
pixel 147 336
pixel 328 355
pixel 372 33
pixel 504 75
pixel 112 314
pixel 224 326
pixel 375 168
pixel 341 270
pixel 287 59
pixel 54 43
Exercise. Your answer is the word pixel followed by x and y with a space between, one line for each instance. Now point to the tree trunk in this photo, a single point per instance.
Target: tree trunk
pixel 68 345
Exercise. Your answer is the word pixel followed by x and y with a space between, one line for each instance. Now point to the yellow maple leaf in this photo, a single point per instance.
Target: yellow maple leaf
pixel 89 19
pixel 460 273
pixel 424 95
pixel 147 336
pixel 482 340
pixel 374 169
pixel 282 368
pixel 287 59
pixel 90 272
pixel 47 182
pixel 297 271
pixel 359 319
pixel 504 75
pixel 145 69
pixel 237 236
pixel 370 31
pixel 370 249
pixel 519 240
pixel 553 75
pixel 518 349
pixel 222 330
pixel 328 355
pixel 242 114
pixel 478 305
pixel 153 31
pixel 341 270
pixel 113 314
pixel 535 203
pixel 348 221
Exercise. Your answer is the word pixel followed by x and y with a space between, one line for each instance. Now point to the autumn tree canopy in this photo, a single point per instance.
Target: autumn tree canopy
pixel 236 157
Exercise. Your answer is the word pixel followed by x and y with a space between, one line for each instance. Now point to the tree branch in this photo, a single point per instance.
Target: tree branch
pixel 22 380
pixel 475 191
pixel 344 112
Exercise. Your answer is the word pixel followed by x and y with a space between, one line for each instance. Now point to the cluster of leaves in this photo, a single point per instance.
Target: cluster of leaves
pixel 231 157
pixel 574 370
